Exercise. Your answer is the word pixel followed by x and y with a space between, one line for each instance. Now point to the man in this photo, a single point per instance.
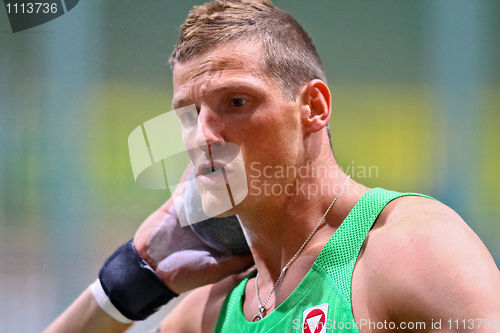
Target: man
pixel 328 251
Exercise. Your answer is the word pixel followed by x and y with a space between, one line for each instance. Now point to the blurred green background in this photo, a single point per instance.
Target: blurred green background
pixel 416 88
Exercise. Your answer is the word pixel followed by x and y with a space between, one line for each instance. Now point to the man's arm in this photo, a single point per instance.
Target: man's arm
pixel 203 305
pixel 85 315
pixel 180 259
pixel 435 268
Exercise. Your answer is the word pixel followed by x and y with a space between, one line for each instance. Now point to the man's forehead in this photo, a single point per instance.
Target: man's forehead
pixel 238 55
pixel 198 67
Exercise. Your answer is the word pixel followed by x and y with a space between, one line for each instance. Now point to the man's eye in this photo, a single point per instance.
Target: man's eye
pixel 238 101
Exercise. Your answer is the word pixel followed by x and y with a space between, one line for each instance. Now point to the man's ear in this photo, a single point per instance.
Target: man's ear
pixel 316 106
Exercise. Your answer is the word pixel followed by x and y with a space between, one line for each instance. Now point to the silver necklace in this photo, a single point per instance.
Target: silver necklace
pixel 262 306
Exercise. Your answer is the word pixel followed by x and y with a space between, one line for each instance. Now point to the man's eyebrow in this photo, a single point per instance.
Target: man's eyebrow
pixel 234 85
pixel 237 85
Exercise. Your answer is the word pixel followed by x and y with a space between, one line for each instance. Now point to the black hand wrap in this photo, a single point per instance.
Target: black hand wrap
pixel 132 285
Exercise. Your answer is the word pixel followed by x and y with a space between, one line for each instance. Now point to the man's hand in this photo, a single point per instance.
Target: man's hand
pixel 178 256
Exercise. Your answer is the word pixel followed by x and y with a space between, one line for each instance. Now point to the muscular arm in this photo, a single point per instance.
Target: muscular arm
pixel 183 262
pixel 434 268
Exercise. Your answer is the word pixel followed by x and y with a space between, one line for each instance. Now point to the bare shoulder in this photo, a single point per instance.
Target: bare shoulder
pixel 203 306
pixel 426 262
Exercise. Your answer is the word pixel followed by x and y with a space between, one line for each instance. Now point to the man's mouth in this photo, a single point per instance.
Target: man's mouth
pixel 213 175
pixel 207 169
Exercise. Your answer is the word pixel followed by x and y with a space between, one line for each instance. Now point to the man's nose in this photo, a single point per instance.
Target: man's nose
pixel 209 127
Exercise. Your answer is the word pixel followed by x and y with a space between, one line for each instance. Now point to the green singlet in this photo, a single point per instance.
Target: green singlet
pixel 322 301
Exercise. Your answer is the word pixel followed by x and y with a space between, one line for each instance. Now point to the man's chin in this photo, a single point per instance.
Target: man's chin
pixel 216 204
pixel 219 202
pixel 226 214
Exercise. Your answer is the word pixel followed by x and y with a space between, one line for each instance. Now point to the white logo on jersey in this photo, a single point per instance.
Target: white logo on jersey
pixel 314 319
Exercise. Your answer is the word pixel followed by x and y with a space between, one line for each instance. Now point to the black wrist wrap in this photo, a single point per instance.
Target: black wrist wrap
pixel 131 284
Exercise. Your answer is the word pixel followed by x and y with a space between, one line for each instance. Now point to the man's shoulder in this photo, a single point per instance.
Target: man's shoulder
pixel 420 253
pixel 411 225
pixel 203 306
pixel 413 216
pixel 413 230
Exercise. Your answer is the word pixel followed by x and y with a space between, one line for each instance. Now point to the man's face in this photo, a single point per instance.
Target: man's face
pixel 235 104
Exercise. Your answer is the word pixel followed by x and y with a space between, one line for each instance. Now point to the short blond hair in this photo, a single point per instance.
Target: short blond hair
pixel 288 54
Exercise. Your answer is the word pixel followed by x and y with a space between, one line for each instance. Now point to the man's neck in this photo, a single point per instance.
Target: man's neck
pixel 279 225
